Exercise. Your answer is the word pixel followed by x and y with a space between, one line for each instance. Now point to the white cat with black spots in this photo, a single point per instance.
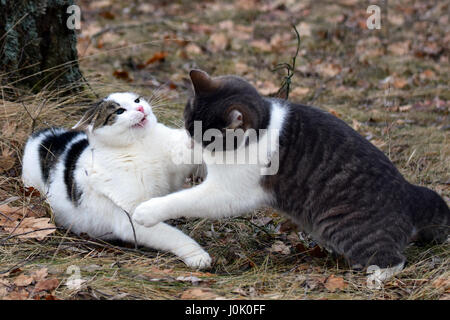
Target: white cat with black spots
pixel 121 158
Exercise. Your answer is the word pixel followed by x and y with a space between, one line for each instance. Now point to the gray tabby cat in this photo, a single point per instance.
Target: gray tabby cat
pixel 331 181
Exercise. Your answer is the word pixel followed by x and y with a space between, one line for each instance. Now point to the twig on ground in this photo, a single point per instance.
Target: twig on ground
pixel 25 233
pixel 20 263
pixel 33 120
pixel 134 231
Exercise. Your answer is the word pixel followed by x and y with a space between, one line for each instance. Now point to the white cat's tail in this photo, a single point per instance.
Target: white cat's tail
pixel 31 168
pixel 34 159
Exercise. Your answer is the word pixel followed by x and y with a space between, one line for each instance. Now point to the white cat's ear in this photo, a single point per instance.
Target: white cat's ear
pixel 202 82
pixel 235 119
pixel 87 119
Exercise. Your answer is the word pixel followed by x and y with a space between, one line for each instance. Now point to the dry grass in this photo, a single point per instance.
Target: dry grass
pixel 415 138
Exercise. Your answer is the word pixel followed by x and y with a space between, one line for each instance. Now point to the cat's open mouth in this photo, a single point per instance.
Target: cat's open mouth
pixel 141 123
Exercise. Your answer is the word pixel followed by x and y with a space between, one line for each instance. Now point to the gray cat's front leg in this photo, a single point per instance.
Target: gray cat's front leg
pixel 207 200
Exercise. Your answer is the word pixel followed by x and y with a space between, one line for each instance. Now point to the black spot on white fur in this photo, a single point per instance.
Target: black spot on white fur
pixel 73 154
pixel 51 148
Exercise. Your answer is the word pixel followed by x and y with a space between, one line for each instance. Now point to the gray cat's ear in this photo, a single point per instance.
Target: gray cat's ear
pixel 235 119
pixel 202 82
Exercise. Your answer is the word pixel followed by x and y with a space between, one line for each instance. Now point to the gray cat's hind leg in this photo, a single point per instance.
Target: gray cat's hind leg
pixel 383 259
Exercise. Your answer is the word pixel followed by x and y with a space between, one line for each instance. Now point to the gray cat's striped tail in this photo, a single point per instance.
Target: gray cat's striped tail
pixel 432 217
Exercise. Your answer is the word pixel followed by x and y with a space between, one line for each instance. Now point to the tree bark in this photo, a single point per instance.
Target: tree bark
pixel 37 49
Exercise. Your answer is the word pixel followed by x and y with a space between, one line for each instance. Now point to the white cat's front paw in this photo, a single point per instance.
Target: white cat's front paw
pixel 198 260
pixel 151 212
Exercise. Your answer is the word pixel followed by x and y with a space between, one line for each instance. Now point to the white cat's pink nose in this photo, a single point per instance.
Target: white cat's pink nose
pixel 141 109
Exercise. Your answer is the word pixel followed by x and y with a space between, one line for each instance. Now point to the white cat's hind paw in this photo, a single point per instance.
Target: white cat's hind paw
pixel 198 260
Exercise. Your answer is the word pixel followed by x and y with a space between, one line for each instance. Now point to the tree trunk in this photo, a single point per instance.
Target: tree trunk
pixel 37 49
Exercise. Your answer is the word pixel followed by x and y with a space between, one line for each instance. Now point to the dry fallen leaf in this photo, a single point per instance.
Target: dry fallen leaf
pixel 279 41
pixel 429 49
pixel 427 74
pixel 11 214
pixel 40 274
pixel 356 124
pixel 293 237
pixel 3 291
pixel 280 247
pixel 261 221
pixel 334 283
pixel 369 48
pixel 226 25
pixel 122 74
pixel 299 92
pixel 399 48
pixel 146 8
pixel 200 294
pixel 30 228
pixel 19 294
pixel 262 45
pixel 101 4
pixel 23 280
pixel 267 87
pixel 29 192
pixel 107 15
pixel 400 83
pixel 315 251
pixel 239 291
pixel 304 29
pixel 161 271
pixel 201 28
pixel 396 19
pixel 218 42
pixel 314 282
pixel 334 113
pixel 329 69
pixel 405 108
pixel 246 4
pixel 192 48
pixel 242 32
pixel 378 143
pixel 157 57
pixel 46 285
pixel 241 68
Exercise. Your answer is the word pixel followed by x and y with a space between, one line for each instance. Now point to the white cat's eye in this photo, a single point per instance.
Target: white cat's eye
pixel 137 100
pixel 120 111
